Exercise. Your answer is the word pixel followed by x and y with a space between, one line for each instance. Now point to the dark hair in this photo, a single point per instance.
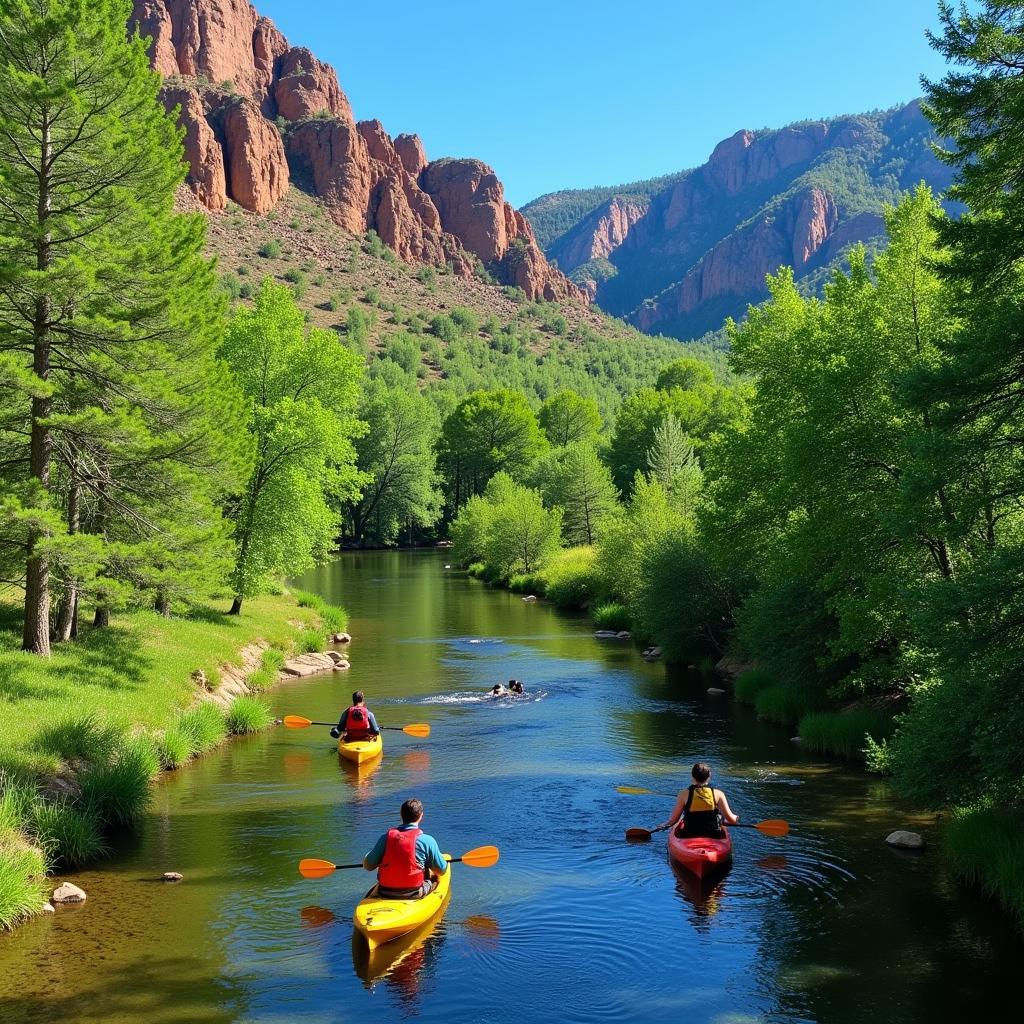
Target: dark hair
pixel 358 697
pixel 701 771
pixel 412 810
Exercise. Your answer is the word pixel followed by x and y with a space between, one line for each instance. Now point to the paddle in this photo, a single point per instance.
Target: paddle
pixel 775 827
pixel 481 857
pixel 297 722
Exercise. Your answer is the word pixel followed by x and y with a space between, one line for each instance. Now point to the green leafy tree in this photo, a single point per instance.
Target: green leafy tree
pixel 672 461
pixel 488 432
pixel 303 390
pixel 105 300
pixel 687 374
pixel 397 456
pixel 568 418
pixel 523 534
pixel 581 485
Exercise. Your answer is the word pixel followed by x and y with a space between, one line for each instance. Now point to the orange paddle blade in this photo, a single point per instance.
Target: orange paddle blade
pixel 481 857
pixel 296 722
pixel 773 827
pixel 638 834
pixel 313 868
pixel 417 730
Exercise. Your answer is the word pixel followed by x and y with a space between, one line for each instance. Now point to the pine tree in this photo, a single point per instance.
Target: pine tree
pixel 672 461
pixel 107 311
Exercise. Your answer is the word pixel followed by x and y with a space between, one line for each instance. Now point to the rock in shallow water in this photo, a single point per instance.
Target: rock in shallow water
pixel 714 691
pixel 905 840
pixel 68 893
pixel 172 876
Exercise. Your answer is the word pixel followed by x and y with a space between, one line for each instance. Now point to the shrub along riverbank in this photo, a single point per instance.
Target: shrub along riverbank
pixel 84 732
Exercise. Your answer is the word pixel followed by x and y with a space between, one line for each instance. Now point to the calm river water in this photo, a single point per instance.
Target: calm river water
pixel 573 924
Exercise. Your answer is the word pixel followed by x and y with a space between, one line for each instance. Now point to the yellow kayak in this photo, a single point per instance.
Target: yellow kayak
pixel 361 751
pixel 381 920
pixel 402 956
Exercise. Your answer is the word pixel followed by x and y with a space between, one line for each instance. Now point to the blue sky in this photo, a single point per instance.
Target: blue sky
pixel 566 94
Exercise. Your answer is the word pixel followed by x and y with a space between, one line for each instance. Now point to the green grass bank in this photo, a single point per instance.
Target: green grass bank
pixel 83 733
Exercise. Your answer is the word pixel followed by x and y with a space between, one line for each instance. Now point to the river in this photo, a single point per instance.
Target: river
pixel 573 924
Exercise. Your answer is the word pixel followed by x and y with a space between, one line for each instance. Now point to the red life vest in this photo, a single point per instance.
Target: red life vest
pixel 357 723
pixel 398 868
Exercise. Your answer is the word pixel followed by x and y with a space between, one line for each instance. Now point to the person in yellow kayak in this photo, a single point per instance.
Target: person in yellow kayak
pixel 408 862
pixel 700 808
pixel 357 721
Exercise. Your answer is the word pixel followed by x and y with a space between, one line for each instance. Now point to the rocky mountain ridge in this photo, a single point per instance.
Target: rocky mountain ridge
pixel 682 258
pixel 260 114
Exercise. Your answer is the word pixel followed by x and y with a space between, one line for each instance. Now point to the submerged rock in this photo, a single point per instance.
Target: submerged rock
pixel 172 876
pixel 605 634
pixel 68 893
pixel 530 598
pixel 653 653
pixel 903 840
pixel 341 638
pixel 49 908
pixel 624 634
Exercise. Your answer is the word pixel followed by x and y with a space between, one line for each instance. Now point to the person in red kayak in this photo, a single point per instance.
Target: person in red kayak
pixel 700 808
pixel 408 862
pixel 357 721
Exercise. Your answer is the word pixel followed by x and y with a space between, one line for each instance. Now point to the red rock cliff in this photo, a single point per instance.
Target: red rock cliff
pixel 232 74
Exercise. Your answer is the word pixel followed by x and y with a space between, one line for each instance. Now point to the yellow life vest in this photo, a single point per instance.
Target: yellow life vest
pixel 702 799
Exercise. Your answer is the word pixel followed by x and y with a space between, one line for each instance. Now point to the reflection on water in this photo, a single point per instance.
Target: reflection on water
pixel 573 924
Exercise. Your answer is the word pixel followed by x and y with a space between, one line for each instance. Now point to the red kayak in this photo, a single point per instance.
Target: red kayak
pixel 700 854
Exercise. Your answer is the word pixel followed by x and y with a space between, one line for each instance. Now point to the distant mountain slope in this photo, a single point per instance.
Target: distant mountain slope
pixel 679 256
pixel 554 214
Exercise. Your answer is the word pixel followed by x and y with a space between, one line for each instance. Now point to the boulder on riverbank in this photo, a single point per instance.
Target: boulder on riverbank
pixel 309 664
pixel 341 638
pixel 904 840
pixel 68 893
pixel 653 653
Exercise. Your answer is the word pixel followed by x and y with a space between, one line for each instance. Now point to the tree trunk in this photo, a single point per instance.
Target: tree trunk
pixel 236 606
pixel 36 635
pixel 67 623
pixel 162 604
pixel 101 620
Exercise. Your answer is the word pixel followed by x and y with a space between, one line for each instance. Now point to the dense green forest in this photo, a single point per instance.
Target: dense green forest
pixel 840 508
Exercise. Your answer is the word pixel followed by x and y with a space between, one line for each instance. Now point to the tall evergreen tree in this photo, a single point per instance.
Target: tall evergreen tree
pixel 105 298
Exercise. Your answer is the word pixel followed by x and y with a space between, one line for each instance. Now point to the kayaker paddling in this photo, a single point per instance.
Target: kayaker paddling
pixel 700 808
pixel 408 862
pixel 357 722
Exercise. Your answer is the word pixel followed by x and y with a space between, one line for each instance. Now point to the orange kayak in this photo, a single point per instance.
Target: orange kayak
pixel 699 854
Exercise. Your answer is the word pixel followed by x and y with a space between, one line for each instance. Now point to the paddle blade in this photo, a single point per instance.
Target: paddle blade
pixel 481 857
pixel 313 868
pixel 773 827
pixel 639 835
pixel 296 722
pixel 416 730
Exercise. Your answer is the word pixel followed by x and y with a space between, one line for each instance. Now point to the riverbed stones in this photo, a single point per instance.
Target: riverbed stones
pixel 308 664
pixel 66 892
pixel 904 840
pixel 171 876
pixel 339 659
pixel 341 638
pixel 49 908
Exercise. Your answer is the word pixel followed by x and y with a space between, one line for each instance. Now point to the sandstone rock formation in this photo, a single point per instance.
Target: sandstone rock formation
pixel 233 75
pixel 679 256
